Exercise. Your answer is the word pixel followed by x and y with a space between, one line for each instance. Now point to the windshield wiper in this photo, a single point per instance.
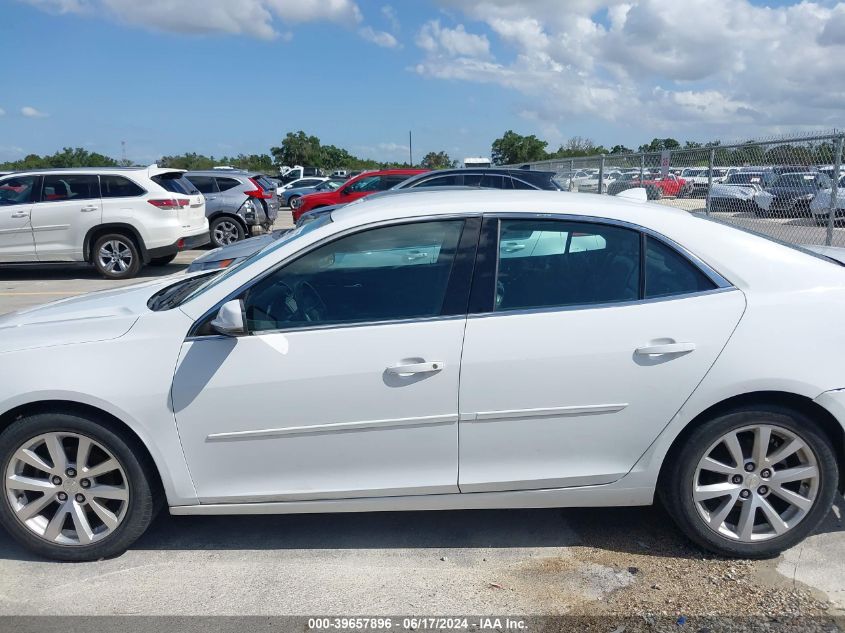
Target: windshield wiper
pixel 172 296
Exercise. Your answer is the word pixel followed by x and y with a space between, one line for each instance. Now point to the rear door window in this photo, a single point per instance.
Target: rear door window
pixel 58 187
pixel 205 184
pixel 224 184
pixel 550 263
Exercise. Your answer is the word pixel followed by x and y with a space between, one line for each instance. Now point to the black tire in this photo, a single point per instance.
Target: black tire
pixel 162 261
pixel 124 267
pixel 291 199
pixel 676 483
pixel 230 223
pixel 142 505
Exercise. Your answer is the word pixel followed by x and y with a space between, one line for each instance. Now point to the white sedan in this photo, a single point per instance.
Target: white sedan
pixel 440 350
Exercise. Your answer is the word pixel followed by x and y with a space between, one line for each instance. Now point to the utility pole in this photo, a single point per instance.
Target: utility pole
pixel 123 152
pixel 411 148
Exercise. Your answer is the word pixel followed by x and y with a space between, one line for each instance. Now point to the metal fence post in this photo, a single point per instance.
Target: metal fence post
pixel 642 168
pixel 834 189
pixel 710 162
pixel 601 174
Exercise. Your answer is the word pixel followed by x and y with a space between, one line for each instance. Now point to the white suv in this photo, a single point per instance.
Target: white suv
pixel 116 219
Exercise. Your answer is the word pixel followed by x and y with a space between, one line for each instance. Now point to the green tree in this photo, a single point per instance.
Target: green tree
pixel 621 149
pixel 298 149
pixel 514 148
pixel 660 144
pixel 436 160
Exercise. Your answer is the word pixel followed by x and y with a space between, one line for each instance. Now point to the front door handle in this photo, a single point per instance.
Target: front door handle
pixel 90 207
pixel 667 348
pixel 20 214
pixel 416 368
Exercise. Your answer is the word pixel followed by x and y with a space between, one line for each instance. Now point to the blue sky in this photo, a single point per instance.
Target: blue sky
pixel 229 76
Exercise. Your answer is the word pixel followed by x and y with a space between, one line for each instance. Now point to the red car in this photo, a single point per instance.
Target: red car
pixel 671 185
pixel 354 188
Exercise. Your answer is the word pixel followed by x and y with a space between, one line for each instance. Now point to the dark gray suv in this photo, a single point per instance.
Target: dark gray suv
pixel 235 201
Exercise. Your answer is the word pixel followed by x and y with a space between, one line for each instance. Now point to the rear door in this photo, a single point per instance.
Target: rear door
pixel 586 340
pixel 69 207
pixel 16 196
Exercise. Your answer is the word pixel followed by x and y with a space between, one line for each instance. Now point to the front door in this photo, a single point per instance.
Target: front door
pixel 596 337
pixel 70 206
pixel 347 384
pixel 16 241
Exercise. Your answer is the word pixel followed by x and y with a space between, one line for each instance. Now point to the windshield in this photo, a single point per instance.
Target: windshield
pixel 796 181
pixel 745 179
pixel 329 185
pixel 272 246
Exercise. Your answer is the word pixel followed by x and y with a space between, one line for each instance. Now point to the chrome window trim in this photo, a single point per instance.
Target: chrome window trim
pixel 600 306
pixel 318 244
pixel 334 326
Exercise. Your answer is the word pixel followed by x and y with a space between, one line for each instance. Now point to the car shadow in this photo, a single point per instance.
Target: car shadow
pixel 636 530
pixel 73 271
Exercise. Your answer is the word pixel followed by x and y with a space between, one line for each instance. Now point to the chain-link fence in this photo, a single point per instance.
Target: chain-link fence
pixel 787 187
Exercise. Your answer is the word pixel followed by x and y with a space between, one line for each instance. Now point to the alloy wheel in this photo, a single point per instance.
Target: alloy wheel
pixel 225 233
pixel 67 488
pixel 756 483
pixel 115 256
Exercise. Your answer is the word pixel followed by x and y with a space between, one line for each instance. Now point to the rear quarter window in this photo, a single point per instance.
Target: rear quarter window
pixel 175 183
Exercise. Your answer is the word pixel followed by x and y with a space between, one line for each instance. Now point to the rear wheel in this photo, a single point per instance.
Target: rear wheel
pixel 225 230
pixel 73 489
pixel 751 483
pixel 162 261
pixel 116 256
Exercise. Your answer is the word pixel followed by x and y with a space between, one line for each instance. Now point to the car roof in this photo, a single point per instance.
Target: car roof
pixel 151 170
pixel 463 201
pixel 222 173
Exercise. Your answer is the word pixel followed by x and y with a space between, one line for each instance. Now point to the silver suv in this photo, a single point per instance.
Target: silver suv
pixel 235 201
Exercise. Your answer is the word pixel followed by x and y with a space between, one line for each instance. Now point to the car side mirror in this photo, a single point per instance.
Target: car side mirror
pixel 230 320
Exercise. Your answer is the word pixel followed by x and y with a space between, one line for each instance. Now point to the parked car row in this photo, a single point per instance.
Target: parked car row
pixel 372 182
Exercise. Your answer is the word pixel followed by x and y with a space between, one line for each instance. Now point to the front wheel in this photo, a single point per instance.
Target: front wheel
pixel 73 489
pixel 751 483
pixel 291 200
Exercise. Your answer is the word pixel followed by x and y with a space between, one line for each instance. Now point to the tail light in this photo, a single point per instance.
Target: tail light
pixel 258 192
pixel 169 204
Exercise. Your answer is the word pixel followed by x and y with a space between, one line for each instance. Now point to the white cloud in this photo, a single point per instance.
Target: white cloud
pixel 457 42
pixel 698 67
pixel 33 113
pixel 250 17
pixel 392 18
pixel 379 38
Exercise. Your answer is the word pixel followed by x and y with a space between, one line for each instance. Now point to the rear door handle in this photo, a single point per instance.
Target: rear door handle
pixel 667 348
pixel 416 368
